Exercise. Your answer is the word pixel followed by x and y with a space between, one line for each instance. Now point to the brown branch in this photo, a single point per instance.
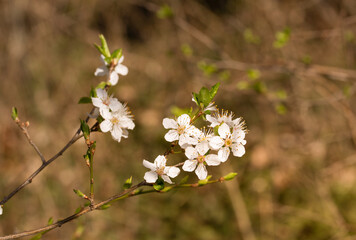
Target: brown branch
pixel 76 215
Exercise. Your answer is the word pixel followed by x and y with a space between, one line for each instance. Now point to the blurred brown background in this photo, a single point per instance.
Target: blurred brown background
pixel 286 67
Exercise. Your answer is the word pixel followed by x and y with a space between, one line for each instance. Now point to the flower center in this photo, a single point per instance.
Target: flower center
pixel 180 130
pixel 106 102
pixel 160 171
pixel 228 142
pixel 114 120
pixel 201 158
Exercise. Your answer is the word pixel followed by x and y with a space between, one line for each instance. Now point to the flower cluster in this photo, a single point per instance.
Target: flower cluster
pixel 116 116
pixel 203 147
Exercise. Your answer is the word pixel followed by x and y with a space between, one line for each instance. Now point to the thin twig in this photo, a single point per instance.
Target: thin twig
pixel 23 127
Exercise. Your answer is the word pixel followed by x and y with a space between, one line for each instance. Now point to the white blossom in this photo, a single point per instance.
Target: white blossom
pixel 218 118
pixel 159 168
pixel 1 210
pixel 204 140
pixel 105 102
pixel 197 161
pixel 114 74
pixel 227 140
pixel 181 130
pixel 117 122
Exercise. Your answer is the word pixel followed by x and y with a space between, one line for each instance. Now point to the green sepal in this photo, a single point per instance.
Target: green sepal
pixel 93 92
pixel 50 221
pixel 128 183
pixel 79 193
pixel 117 54
pixel 230 176
pixel 84 100
pixel 204 181
pixel 85 129
pixel 104 46
pixel 159 185
pixel 14 114
pixel 105 206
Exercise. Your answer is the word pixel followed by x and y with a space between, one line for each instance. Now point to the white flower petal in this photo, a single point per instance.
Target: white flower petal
pixel 106 126
pixel 224 154
pixel 114 78
pixel 171 136
pixel 183 120
pixel 160 161
pixel 105 113
pixel 212 160
pixel 238 150
pixel 97 102
pixel 201 171
pixel 115 105
pixel 211 119
pixel 149 165
pixel 189 165
pixel 202 147
pixel 102 94
pixel 116 132
pixel 166 179
pixel 173 171
pixel 169 123
pixel 121 69
pixel 216 142
pixel 191 153
pixel 1 210
pixel 224 130
pixel 151 177
pixel 101 71
pixel 121 59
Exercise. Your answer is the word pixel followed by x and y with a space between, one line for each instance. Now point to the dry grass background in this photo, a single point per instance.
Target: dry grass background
pixel 297 179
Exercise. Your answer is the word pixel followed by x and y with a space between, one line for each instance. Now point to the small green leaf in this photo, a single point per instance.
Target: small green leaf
pixel 79 193
pixel 50 221
pixel 250 37
pixel 208 69
pixel 282 38
pixel 186 50
pixel 260 87
pixel 212 92
pixel 104 46
pixel 85 129
pixel 281 109
pixel 93 92
pixel 14 114
pixel 253 74
pixel 105 206
pixel 242 85
pixel 117 54
pixel 101 85
pixel 99 49
pixel 159 185
pixel 164 12
pixel 78 210
pixel 196 98
pixel 230 176
pixel 167 189
pixel 224 75
pixel 128 183
pixel 204 96
pixel 204 181
pixel 281 94
pixel 84 100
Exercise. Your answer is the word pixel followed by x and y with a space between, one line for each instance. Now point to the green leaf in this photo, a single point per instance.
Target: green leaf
pixel 159 185
pixel 212 92
pixel 224 75
pixel 14 114
pixel 204 96
pixel 99 49
pixel 260 87
pixel 242 85
pixel 253 74
pixel 93 92
pixel 204 181
pixel 50 221
pixel 208 69
pixel 78 210
pixel 280 109
pixel 164 12
pixel 196 98
pixel 250 37
pixel 176 111
pixel 282 38
pixel 167 189
pixel 230 176
pixel 117 54
pixel 85 129
pixel 186 50
pixel 104 46
pixel 79 193
pixel 37 237
pixel 101 85
pixel 128 183
pixel 84 100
